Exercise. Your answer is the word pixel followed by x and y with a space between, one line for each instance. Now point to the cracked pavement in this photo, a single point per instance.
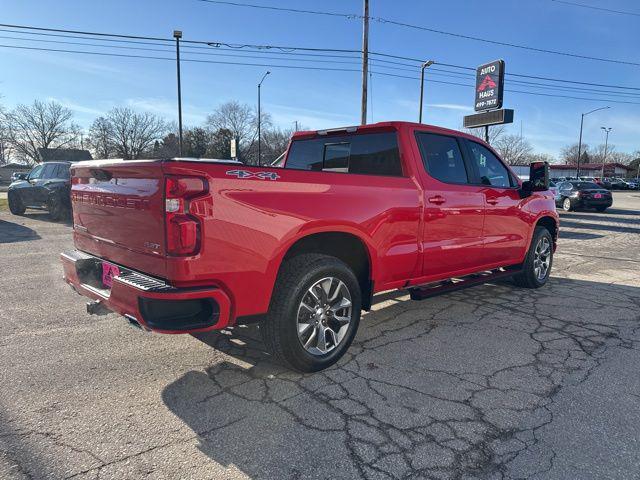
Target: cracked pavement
pixel 491 382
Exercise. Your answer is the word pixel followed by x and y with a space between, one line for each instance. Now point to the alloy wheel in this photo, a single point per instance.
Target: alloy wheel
pixel 324 315
pixel 542 259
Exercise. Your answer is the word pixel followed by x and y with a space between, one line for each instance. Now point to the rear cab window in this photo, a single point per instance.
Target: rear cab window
pixel 364 154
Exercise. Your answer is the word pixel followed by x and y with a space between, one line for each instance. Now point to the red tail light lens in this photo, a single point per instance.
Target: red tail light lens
pixel 183 228
pixel 185 187
pixel 183 235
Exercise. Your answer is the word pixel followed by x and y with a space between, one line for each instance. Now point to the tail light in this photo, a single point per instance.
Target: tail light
pixel 183 229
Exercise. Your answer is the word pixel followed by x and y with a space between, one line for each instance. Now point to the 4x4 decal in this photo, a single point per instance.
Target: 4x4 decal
pixel 248 174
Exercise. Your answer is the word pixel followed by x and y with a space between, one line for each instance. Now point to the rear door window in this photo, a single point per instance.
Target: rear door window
pixel 442 157
pixel 365 154
pixel 62 172
pixel 50 170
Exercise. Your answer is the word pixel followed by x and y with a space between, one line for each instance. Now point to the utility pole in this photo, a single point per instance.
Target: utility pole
pixel 260 119
pixel 580 141
pixel 177 34
pixel 365 61
pixel 425 65
pixel 606 144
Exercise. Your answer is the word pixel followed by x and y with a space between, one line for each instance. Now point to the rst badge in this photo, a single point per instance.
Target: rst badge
pixel 259 175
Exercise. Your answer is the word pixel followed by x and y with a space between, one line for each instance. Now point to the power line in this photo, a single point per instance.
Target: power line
pixel 593 7
pixel 274 49
pixel 284 9
pixel 299 67
pixel 341 59
pixel 431 30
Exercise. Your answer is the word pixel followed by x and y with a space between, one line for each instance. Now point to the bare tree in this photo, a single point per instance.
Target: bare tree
pixel 514 149
pixel 569 154
pixel 495 132
pixel 101 138
pixel 274 143
pixel 242 121
pixel 133 133
pixel 39 125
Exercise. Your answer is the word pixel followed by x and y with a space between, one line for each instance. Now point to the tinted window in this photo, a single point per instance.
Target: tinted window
pixel 369 154
pixel 63 171
pixel 585 185
pixel 491 170
pixel 36 173
pixel 336 157
pixel 50 170
pixel 442 157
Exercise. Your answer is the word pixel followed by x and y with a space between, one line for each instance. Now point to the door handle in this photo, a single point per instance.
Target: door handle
pixel 492 201
pixel 438 200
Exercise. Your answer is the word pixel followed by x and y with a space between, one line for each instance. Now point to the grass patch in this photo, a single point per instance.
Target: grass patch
pixel 4 204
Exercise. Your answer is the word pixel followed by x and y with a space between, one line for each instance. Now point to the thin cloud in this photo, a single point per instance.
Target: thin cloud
pixel 450 106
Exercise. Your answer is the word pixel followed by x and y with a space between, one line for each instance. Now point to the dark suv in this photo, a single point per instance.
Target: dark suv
pixel 47 187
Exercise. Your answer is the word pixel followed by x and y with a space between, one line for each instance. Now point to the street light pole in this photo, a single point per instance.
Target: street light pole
pixel 425 65
pixel 177 34
pixel 260 119
pixel 606 144
pixel 580 141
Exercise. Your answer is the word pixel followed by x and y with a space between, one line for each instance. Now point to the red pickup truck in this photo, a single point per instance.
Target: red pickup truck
pixel 192 245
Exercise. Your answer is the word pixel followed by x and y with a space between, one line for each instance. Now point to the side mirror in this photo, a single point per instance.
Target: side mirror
pixel 539 176
pixel 526 189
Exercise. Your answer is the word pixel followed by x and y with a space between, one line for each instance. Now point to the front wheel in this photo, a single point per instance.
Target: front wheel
pixel 566 205
pixel 314 312
pixel 537 264
pixel 16 206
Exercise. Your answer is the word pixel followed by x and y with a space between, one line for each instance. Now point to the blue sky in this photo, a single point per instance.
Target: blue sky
pixel 90 85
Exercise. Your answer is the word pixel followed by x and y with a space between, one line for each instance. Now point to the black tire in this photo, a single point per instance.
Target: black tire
pixel 57 211
pixel 601 209
pixel 528 277
pixel 280 327
pixel 567 206
pixel 16 206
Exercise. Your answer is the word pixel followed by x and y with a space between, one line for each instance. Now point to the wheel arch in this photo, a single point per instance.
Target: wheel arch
pixel 347 246
pixel 550 223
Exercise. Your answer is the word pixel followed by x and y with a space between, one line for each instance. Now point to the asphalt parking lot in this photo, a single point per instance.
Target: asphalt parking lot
pixel 490 382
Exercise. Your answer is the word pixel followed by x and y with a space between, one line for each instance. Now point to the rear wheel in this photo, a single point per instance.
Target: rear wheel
pixel 566 205
pixel 537 264
pixel 16 206
pixel 57 211
pixel 314 312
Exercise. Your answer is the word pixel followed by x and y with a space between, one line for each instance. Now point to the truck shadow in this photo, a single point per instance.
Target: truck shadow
pixel 444 387
pixel 11 232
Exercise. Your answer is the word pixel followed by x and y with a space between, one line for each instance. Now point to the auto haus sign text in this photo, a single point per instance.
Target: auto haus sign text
pixel 489 85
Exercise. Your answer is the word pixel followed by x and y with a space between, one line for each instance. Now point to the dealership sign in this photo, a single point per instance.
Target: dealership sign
pixel 489 85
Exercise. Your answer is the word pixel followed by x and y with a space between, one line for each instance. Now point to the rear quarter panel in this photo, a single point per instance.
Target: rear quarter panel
pixel 254 222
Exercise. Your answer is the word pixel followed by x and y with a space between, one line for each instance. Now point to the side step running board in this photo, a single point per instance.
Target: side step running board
pixel 453 284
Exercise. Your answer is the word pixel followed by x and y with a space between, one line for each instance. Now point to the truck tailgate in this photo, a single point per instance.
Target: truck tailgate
pixel 118 212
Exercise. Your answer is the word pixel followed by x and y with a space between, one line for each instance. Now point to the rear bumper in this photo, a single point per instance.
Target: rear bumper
pixel 151 302
pixel 596 202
